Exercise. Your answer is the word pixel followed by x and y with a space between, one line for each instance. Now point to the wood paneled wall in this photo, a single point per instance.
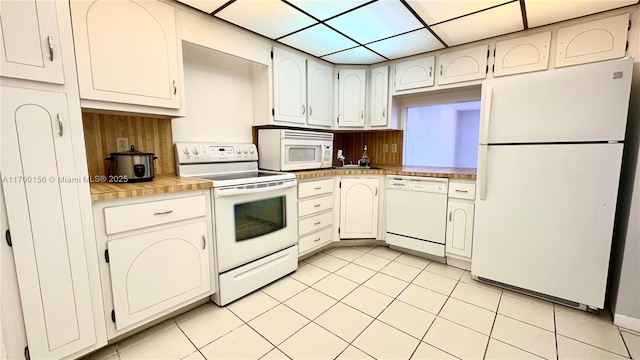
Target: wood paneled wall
pixel 151 135
pixel 352 145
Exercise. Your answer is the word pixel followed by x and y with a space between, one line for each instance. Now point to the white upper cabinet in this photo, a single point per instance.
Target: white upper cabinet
pixel 352 86
pixel 127 52
pixel 594 41
pixel 30 44
pixel 414 74
pixel 319 94
pixel 524 54
pixel 289 87
pixel 464 65
pixel 379 96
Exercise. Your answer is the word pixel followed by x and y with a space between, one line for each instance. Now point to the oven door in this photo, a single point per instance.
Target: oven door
pixel 254 221
pixel 301 154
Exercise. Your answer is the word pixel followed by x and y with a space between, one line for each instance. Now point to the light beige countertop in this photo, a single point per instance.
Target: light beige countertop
pixel 448 172
pixel 161 184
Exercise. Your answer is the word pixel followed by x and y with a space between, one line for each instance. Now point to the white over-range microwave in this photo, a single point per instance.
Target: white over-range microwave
pixel 287 150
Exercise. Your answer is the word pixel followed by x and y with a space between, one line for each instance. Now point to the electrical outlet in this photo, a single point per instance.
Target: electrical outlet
pixel 122 144
pixel 394 148
pixel 385 148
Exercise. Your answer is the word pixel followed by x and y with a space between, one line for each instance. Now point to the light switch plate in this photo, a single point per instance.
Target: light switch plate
pixel 385 148
pixel 394 148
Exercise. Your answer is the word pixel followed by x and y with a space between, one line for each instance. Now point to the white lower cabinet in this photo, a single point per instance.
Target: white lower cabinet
pixel 359 203
pixel 459 236
pixel 158 267
pixel 315 214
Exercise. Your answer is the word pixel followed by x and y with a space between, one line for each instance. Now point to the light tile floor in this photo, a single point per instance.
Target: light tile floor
pixel 374 302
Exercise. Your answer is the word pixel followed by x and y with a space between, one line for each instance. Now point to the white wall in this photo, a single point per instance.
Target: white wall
pixel 468 129
pixel 219 93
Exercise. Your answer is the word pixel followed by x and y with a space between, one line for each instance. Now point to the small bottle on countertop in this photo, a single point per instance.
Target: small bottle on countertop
pixel 364 160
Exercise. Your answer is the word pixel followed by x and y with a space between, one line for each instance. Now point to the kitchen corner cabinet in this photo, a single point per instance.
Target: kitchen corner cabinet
pixel 127 52
pixel 463 65
pixel 289 87
pixel 521 55
pixel 359 202
pixel 414 74
pixel 594 41
pixel 319 94
pixel 460 209
pixel 379 96
pixel 156 256
pixel 315 214
pixel 45 219
pixel 352 87
pixel 30 41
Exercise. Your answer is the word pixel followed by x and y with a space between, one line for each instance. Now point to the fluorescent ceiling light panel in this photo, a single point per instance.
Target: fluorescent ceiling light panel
pixel 542 12
pixel 357 55
pixel 318 40
pixel 435 11
pixel 376 21
pixel 271 18
pixel 324 9
pixel 415 42
pixel 207 6
pixel 483 25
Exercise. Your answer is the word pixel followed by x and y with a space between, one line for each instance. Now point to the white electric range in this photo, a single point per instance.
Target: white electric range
pixel 254 216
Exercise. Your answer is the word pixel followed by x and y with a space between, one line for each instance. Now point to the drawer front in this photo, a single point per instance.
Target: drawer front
pixel 318 187
pixel 462 190
pixel 315 240
pixel 314 223
pixel 308 207
pixel 130 217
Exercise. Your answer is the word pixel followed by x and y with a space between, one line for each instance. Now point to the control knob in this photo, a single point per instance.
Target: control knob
pixel 186 151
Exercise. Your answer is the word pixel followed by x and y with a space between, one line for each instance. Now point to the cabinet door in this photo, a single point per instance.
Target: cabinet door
pixel 414 74
pixel 359 208
pixel 319 93
pixel 525 54
pixel 463 65
pixel 45 221
pixel 133 60
pixel 30 44
pixel 352 85
pixel 379 95
pixel 459 228
pixel 289 87
pixel 154 271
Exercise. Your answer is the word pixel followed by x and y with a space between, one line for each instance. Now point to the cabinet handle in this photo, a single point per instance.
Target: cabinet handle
pixel 384 112
pixel 310 110
pixel 361 114
pixel 376 194
pixel 204 242
pixel 175 88
pixel 430 70
pixel 317 188
pixel 50 42
pixel 440 69
pixel 317 223
pixel 462 191
pixel 303 109
pixel 316 240
pixel 450 212
pixel 317 205
pixel 60 125
pixel 163 212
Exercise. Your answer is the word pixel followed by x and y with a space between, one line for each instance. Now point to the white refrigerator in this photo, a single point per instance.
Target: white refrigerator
pixel 547 184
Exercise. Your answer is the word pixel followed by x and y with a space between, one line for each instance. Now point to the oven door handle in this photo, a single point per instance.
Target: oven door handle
pixel 236 191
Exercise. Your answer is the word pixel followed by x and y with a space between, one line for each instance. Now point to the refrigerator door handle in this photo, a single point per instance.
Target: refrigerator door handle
pixel 482 171
pixel 486 115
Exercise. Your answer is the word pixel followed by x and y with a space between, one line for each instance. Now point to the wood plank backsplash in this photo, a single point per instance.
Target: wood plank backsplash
pixel 352 145
pixel 151 135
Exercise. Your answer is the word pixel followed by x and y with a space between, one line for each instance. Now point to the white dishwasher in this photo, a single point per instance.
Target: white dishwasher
pixel 417 213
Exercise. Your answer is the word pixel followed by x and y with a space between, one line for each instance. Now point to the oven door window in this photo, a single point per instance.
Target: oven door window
pixel 302 154
pixel 260 217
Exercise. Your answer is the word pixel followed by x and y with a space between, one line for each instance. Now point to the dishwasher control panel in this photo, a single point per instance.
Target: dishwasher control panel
pixel 418 184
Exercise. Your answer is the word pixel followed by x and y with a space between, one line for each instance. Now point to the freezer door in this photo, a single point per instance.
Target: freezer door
pixel 574 104
pixel 547 218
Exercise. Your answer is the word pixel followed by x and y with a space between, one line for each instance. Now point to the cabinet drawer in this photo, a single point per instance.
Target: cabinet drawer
pixel 130 217
pixel 311 188
pixel 314 240
pixel 462 190
pixel 314 223
pixel 308 207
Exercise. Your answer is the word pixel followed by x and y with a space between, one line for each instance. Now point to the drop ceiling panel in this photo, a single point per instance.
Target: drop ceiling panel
pixel 497 21
pixel 324 9
pixel 412 43
pixel 433 12
pixel 271 18
pixel 207 6
pixel 542 12
pixel 376 21
pixel 318 40
pixel 359 55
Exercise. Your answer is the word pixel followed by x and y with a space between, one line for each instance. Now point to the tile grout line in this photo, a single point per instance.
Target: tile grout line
pixel 492 325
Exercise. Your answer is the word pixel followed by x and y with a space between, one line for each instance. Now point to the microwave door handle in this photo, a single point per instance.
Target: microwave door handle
pixel 322 158
pixel 235 191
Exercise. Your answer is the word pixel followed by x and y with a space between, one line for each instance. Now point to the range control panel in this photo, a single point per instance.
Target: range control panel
pixel 195 153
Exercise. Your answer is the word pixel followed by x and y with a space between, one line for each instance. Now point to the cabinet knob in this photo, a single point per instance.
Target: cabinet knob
pixel 384 112
pixel 60 125
pixel 440 69
pixel 303 109
pixel 175 88
pixel 50 42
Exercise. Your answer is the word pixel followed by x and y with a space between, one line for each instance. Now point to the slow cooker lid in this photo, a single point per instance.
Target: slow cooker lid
pixel 131 152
